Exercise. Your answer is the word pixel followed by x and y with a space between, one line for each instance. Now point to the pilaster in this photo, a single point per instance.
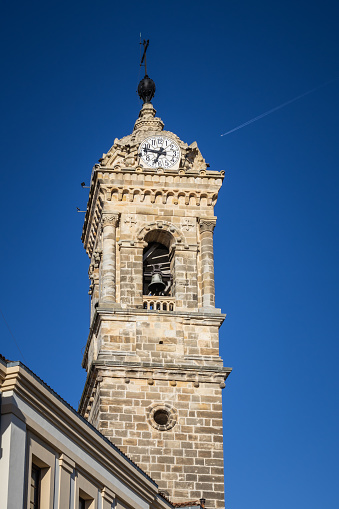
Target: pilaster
pixel 207 261
pixel 13 458
pixel 109 223
pixel 66 468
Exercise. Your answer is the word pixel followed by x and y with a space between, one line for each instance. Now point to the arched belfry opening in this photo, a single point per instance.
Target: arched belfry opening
pixel 157 266
pixel 157 279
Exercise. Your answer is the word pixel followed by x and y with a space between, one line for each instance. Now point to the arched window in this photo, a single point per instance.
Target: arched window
pixel 157 279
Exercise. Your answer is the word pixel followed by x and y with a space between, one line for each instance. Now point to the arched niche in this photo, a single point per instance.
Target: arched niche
pixel 157 263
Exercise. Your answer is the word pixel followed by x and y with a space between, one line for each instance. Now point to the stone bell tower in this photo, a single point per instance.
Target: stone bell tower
pixel 155 376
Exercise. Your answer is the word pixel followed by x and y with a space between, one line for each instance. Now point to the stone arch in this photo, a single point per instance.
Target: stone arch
pixel 125 195
pixel 192 199
pixel 114 194
pixel 147 196
pixel 136 195
pixel 160 235
pixel 165 237
pixel 181 198
pixel 158 263
pixel 158 197
pixel 203 199
pixel 214 199
pixel 170 198
pixel 164 230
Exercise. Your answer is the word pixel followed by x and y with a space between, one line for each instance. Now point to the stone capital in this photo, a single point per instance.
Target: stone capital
pixel 109 219
pixel 66 463
pixel 207 225
pixel 108 495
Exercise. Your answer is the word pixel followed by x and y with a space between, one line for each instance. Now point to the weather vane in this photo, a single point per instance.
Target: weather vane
pixel 143 58
pixel 146 87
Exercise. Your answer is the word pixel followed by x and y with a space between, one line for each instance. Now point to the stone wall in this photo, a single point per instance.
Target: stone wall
pixel 185 460
pixel 161 337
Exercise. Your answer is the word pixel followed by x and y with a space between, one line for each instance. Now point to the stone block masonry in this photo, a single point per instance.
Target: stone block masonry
pixel 186 459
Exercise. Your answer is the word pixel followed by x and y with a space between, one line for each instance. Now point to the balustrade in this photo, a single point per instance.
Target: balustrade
pixel 159 303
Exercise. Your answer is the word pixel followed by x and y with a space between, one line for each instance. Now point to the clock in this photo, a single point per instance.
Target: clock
pixel 159 152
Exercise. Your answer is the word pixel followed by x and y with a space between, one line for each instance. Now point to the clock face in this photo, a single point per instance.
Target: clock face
pixel 159 152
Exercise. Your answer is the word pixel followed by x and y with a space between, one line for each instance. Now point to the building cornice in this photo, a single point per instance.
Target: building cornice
pixel 196 374
pixel 20 382
pixel 127 183
pixel 207 316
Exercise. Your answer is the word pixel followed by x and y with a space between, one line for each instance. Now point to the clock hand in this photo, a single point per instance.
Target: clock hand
pixel 161 152
pixel 157 158
pixel 154 151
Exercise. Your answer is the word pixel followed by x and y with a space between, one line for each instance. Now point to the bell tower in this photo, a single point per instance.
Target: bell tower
pixel 154 374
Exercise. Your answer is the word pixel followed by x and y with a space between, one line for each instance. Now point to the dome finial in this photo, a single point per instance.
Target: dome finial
pixel 146 87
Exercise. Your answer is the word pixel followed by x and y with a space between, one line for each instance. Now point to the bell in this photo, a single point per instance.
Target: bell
pixel 156 285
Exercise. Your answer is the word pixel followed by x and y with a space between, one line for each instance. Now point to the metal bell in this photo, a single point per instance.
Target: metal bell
pixel 156 285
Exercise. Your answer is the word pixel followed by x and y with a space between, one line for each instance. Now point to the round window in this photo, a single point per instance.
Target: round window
pixel 162 416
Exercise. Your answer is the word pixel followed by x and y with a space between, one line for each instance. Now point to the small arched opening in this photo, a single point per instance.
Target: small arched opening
pixel 157 267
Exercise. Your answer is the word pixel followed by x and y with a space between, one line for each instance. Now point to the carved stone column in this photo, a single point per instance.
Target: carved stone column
pixel 207 261
pixel 109 223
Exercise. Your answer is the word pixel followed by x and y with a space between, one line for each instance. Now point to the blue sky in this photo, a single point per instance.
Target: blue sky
pixel 69 76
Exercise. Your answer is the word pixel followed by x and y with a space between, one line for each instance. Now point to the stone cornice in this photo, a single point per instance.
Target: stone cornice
pixel 119 172
pixel 197 190
pixel 126 243
pixel 212 317
pixel 105 367
pixel 207 374
pixel 186 247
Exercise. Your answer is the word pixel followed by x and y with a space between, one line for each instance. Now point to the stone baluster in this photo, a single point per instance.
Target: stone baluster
pixel 109 223
pixel 207 261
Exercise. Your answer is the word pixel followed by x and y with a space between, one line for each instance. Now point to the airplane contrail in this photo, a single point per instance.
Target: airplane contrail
pixel 278 107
